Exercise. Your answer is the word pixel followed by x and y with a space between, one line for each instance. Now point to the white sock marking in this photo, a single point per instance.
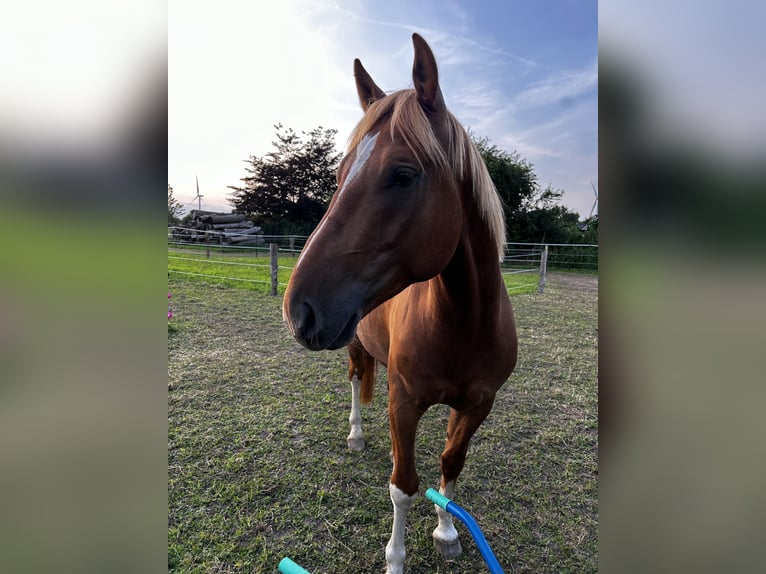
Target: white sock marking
pixel 395 552
pixel 445 531
pixel 355 418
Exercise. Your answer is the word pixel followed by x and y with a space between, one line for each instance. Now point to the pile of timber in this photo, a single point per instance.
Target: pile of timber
pixel 213 227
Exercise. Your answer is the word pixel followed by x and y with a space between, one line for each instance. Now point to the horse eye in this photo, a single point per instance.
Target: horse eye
pixel 404 177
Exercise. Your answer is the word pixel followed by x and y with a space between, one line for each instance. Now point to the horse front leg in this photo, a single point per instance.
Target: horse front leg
pixel 462 426
pixel 395 549
pixel 403 488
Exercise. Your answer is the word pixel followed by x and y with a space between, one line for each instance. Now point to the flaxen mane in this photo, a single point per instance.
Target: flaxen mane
pixel 409 121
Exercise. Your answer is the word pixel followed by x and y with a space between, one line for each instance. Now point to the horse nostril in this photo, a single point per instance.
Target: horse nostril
pixel 305 320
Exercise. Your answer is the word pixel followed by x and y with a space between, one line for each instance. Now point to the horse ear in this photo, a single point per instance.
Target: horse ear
pixel 425 76
pixel 367 89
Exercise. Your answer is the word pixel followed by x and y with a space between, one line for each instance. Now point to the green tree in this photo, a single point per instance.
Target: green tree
pixel 589 230
pixel 543 220
pixel 513 176
pixel 174 208
pixel 532 213
pixel 288 189
pixel 551 224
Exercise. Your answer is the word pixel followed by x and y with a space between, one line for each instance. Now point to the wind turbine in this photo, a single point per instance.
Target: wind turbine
pixel 583 226
pixel 595 201
pixel 198 196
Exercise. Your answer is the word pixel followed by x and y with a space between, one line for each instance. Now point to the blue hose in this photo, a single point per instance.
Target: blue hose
pixel 287 566
pixel 457 511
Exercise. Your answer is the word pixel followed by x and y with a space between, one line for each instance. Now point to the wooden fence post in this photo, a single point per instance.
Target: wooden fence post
pixel 543 270
pixel 274 252
pixel 207 244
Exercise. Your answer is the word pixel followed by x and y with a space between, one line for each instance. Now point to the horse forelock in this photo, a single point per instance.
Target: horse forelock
pixel 408 121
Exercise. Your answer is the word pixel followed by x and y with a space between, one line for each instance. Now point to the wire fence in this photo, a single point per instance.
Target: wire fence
pixel 209 257
pixel 561 256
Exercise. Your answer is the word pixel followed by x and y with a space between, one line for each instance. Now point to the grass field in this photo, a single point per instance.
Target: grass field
pixel 259 469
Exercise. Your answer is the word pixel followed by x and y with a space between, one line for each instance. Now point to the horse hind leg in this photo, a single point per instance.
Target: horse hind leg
pixel 462 426
pixel 361 373
pixel 445 535
pixel 355 438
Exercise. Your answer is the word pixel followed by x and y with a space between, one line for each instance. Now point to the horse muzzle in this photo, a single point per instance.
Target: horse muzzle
pixel 318 327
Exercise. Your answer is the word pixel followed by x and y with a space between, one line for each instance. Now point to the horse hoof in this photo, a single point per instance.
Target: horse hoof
pixel 356 444
pixel 449 549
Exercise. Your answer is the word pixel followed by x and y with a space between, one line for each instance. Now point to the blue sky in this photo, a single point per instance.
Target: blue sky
pixel 523 74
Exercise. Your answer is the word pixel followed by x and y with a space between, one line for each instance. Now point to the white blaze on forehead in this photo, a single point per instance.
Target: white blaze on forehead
pixel 363 152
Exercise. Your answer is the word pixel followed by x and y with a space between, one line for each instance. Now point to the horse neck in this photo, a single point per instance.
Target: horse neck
pixel 469 287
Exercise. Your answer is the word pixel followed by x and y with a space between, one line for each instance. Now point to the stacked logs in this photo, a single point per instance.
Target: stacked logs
pixel 213 227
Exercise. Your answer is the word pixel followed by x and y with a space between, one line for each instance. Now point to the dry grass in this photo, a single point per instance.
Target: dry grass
pixel 259 469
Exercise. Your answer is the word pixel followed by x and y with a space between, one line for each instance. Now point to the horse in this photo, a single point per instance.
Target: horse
pixel 404 270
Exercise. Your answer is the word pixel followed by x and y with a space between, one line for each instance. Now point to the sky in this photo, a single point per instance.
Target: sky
pixel 523 74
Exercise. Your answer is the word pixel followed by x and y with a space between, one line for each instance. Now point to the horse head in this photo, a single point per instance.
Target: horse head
pixel 395 218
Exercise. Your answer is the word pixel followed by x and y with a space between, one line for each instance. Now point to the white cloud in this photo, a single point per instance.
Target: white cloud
pixel 559 88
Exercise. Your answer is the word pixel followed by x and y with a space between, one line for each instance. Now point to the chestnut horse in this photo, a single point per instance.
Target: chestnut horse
pixel 404 269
